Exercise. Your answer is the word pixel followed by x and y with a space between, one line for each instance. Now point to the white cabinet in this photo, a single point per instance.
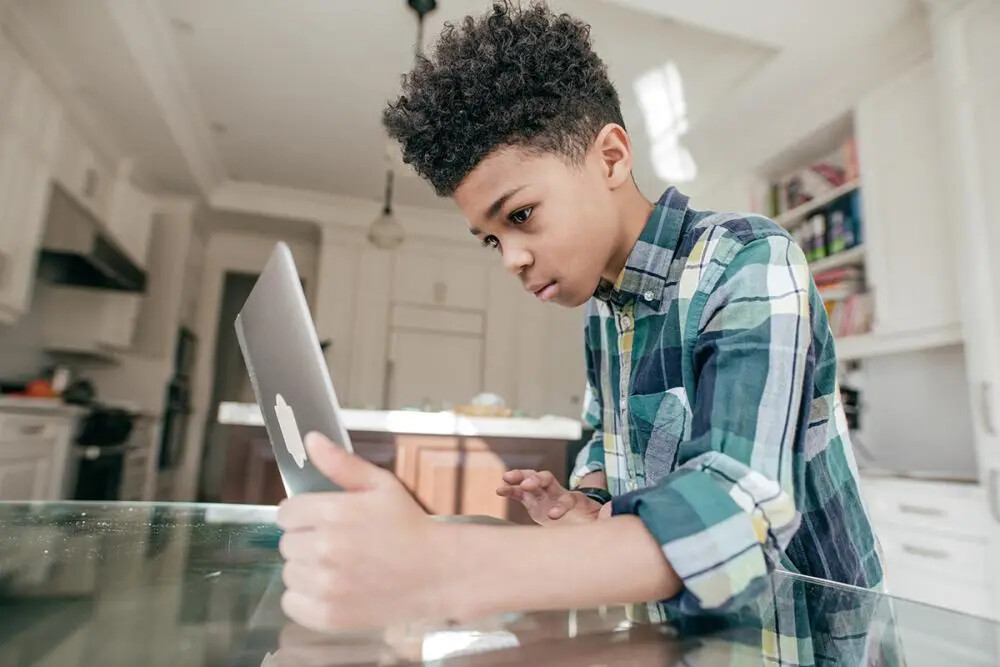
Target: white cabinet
pixel 130 219
pixel 91 320
pixel 83 173
pixel 909 226
pixel 28 108
pixel 34 454
pixel 25 471
pixel 85 320
pixel 934 531
pixel 448 281
pixel 30 119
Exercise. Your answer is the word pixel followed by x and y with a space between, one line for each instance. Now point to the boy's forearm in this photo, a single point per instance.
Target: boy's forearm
pixel 501 569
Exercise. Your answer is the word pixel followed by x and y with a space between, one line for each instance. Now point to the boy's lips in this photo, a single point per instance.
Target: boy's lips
pixel 544 291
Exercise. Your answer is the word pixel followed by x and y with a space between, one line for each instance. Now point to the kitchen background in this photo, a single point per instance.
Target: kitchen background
pixel 153 151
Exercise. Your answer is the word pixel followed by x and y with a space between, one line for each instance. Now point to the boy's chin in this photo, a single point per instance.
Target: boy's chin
pixel 572 300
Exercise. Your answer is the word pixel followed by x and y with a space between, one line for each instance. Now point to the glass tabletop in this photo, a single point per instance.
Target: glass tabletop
pixel 171 584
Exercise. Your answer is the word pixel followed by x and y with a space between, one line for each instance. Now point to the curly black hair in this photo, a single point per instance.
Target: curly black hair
pixel 513 77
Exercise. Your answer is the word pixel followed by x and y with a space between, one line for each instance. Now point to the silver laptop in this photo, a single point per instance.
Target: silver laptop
pixel 288 372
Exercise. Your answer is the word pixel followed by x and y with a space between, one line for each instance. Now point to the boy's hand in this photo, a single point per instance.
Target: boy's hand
pixel 364 557
pixel 546 500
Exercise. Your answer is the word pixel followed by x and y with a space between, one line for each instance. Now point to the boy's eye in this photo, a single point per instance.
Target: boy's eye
pixel 521 215
pixel 491 242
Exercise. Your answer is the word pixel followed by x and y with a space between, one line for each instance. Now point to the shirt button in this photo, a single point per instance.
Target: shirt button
pixel 626 322
pixel 648 295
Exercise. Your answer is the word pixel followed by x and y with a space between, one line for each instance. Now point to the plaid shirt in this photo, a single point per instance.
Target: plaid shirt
pixel 713 393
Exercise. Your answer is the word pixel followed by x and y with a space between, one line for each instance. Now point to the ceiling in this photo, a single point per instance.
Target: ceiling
pixel 288 93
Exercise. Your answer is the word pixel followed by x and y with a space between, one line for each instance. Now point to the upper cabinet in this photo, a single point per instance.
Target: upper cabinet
pixel 444 281
pixel 88 177
pixel 130 219
pixel 30 123
pixel 911 241
pixel 28 108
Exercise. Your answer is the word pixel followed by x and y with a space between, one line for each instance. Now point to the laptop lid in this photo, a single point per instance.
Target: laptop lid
pixel 288 373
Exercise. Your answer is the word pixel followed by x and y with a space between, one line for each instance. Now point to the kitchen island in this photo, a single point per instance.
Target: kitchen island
pixel 117 584
pixel 451 463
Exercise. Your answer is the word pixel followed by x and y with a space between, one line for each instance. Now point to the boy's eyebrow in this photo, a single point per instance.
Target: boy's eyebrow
pixel 495 207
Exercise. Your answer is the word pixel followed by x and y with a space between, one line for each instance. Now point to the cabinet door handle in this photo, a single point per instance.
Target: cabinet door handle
pixel 923 511
pixel 90 183
pixel 924 552
pixel 32 429
pixel 993 489
pixel 986 406
pixel 4 268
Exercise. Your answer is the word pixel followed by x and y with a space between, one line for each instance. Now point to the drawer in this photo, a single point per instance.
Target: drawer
pixel 940 557
pixel 18 428
pixel 958 509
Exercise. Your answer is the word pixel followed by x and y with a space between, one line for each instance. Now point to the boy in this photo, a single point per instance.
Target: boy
pixel 720 439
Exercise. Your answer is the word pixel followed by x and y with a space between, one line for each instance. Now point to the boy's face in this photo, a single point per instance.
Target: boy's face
pixel 553 223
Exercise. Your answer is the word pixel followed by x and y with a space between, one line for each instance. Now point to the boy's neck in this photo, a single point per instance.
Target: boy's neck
pixel 633 213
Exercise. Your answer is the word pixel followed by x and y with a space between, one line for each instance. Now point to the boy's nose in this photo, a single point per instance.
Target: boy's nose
pixel 516 259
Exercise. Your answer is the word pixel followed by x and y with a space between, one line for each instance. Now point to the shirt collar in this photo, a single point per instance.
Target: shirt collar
pixel 646 268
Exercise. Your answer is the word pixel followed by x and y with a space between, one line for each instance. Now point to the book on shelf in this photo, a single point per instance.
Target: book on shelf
pixel 838 274
pixel 840 283
pixel 835 228
pixel 850 316
pixel 814 180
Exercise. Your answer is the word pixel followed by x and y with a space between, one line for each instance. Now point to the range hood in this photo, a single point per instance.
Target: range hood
pixel 77 250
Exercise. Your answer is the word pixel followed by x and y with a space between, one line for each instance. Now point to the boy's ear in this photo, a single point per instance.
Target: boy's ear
pixel 614 151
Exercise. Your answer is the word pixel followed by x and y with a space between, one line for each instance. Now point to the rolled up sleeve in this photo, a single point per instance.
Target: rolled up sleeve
pixel 725 515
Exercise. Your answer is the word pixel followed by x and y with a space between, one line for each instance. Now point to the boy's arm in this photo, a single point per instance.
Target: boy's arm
pixel 724 516
pixel 369 556
pixel 527 569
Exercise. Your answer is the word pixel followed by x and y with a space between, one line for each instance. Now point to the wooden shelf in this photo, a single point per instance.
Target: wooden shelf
pixel 788 218
pixel 854 348
pixel 855 255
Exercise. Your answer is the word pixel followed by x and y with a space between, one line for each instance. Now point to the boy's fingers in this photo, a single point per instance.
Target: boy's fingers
pixel 545 479
pixel 516 476
pixel 531 483
pixel 512 492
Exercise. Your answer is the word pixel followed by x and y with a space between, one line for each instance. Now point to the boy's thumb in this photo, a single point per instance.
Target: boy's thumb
pixel 347 470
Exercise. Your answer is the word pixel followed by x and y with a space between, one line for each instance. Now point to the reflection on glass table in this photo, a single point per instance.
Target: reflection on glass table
pixel 148 584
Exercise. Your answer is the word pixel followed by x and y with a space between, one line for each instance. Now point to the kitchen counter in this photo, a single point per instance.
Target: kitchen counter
pixel 425 423
pixel 199 585
pixel 39 405
pixel 451 463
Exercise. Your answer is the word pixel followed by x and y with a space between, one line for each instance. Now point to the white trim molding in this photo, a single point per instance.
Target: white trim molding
pixel 353 213
pixel 148 38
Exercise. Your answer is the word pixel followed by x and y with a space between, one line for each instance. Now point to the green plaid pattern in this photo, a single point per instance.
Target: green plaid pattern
pixel 713 393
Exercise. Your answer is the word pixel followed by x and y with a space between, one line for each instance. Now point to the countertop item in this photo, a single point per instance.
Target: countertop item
pixel 178 584
pixel 426 423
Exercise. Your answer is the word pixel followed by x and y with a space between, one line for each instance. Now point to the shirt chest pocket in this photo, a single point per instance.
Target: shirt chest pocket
pixel 660 422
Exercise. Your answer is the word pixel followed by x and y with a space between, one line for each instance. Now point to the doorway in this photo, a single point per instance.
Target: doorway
pixel 230 381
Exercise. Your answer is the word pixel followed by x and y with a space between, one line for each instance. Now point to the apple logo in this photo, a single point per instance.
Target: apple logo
pixel 289 430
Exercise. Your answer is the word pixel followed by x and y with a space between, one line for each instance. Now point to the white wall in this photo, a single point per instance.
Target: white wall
pixel 21 354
